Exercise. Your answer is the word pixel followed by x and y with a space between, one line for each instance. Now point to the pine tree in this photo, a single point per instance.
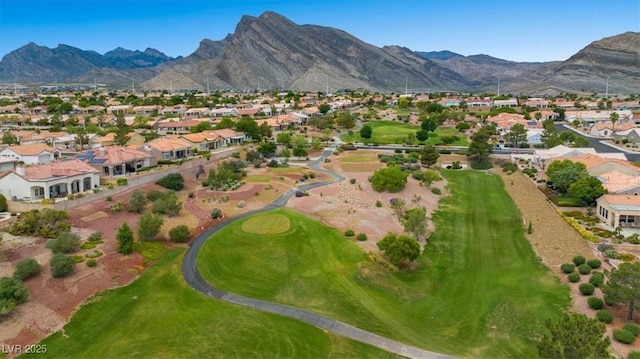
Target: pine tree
pixel 125 239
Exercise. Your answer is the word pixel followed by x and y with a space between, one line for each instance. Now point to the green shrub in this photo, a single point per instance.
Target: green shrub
pixel 155 195
pixel 604 316
pixel 623 336
pixel 61 265
pixel 66 242
pixel 179 234
pixel 109 198
pixel 352 181
pixel 597 279
pixel 77 259
pixel 349 233
pixel 595 303
pixel 12 289
pixel 216 213
pixel 481 165
pixel 92 263
pixel 634 355
pixel 586 288
pixel 436 191
pixel 378 203
pixel 88 245
pixel 362 237
pixel 579 260
pixel 573 277
pixel 27 268
pixel 122 182
pixel 96 237
pixel 584 269
pixel 594 263
pixel 567 268
pixel 632 328
pixel 172 181
pixel 3 203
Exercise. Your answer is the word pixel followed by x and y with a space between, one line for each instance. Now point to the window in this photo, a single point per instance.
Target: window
pixel 105 170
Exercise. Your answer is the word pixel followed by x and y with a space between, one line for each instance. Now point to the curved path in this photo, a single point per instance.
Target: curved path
pixel 195 280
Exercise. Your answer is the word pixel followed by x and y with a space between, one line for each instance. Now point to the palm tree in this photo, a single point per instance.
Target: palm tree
pixel 614 117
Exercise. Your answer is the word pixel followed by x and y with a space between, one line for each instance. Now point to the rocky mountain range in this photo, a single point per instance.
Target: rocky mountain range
pixel 270 51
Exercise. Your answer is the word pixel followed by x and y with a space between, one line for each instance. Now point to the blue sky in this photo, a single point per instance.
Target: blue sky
pixel 518 30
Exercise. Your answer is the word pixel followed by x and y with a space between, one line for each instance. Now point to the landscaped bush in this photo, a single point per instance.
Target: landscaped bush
pixel 632 328
pixel 567 268
pixel 66 242
pixel 61 265
pixel 26 268
pixel 216 213
pixel 611 253
pixel 352 181
pixel 92 263
pixel 47 223
pixel 604 316
pixel 586 288
pixel 179 234
pixel 597 279
pixel 634 355
pixel 241 204
pixel 349 233
pixel 3 203
pixel 436 191
pixel 154 195
pixel 480 165
pixel 579 260
pixel 584 269
pixel 95 237
pixel 378 203
pixel 362 237
pixel 595 303
pixel 623 336
pixel 594 263
pixel 573 277
pixel 172 181
pixel 122 182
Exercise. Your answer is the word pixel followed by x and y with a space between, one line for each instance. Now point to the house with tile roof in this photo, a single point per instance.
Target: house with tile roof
pixel 231 137
pixel 51 180
pixel 631 135
pixel 115 161
pixel 607 129
pixel 167 148
pixel 37 153
pixel 204 141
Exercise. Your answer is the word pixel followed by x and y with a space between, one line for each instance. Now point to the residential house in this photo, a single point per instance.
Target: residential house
pixel 51 180
pixel 512 102
pixel 588 118
pixel 173 111
pixel 536 102
pixel 232 137
pixel 204 141
pixel 248 112
pixel 37 153
pixel 149 110
pixel 631 135
pixel 44 137
pixel 7 164
pixel 196 112
pixel 168 148
pixel 619 210
pixel 116 160
pixel 544 115
pixel 606 129
pixel 223 112
pixel 115 109
pixel 479 102
pixel 534 136
pixel 449 102
pixel 183 126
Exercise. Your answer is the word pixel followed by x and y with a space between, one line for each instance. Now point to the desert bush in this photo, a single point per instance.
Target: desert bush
pixel 241 204
pixel 567 268
pixel 573 277
pixel 362 237
pixel 352 181
pixel 632 328
pixel 604 316
pixel 154 195
pixel 378 203
pixel 595 303
pixel 623 336
pixel 216 213
pixel 594 263
pixel 349 233
pixel 12 293
pixel 48 223
pixel 95 237
pixel 92 263
pixel 626 256
pixel 611 253
pixel 584 269
pixel 66 242
pixel 3 203
pixel 27 268
pixel 299 193
pixel 122 182
pixel 579 260
pixel 634 355
pixel 586 288
pixel 179 234
pixel 61 265
pixel 436 191
pixel 597 279
pixel 172 181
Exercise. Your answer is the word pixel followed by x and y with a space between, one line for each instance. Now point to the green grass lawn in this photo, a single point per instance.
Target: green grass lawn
pixel 258 178
pixel 392 132
pixel 158 316
pixel 479 290
pixel 358 159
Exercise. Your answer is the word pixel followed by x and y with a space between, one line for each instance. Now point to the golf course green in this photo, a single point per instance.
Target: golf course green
pixel 390 132
pixel 158 316
pixel 477 291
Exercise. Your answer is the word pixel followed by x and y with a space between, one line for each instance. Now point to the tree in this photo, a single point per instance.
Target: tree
pixel 172 181
pixel 580 142
pixel 137 201
pixel 623 286
pixel 8 138
pixel 462 126
pixel 390 179
pixel 27 268
pixel 399 207
pixel 265 131
pixel 517 134
pixel 267 149
pixel 614 117
pixel 346 119
pixel 61 265
pixel 121 136
pixel 167 205
pixel 429 156
pixel 428 125
pixel 587 189
pixel 179 234
pixel 366 132
pixel 66 242
pixel 202 126
pixel 399 248
pixel 3 203
pixel 574 336
pixel 563 173
pixel 149 225
pixel 125 239
pixel 549 136
pixel 537 116
pixel 415 222
pixel 480 148
pixel 324 108
pixel 12 289
pixel 422 135
pixel 249 126
pixel 284 138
